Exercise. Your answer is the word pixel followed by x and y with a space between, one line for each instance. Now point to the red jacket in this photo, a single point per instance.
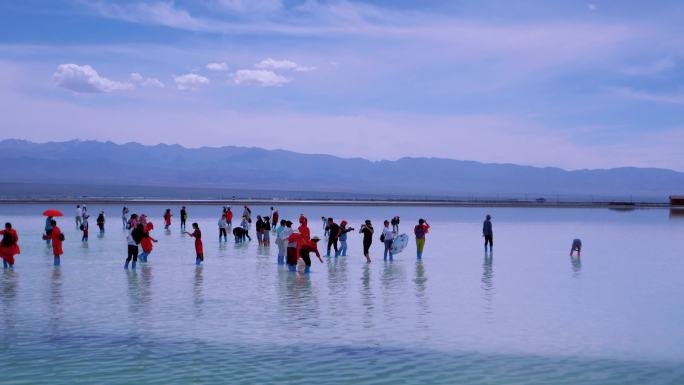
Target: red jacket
pixel 147 241
pixel 8 253
pixel 303 229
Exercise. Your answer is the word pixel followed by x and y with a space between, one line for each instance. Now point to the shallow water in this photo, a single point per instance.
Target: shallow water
pixel 528 315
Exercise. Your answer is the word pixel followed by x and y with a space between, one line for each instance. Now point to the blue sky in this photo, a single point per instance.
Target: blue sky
pixel 573 84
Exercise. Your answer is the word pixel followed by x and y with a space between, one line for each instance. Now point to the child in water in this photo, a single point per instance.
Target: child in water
pixel 197 234
pixel 84 228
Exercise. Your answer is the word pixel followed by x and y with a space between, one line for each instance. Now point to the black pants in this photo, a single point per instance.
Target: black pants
pixel 305 256
pixel 222 233
pixel 332 242
pixel 132 253
pixel 182 222
pixel 101 226
pixel 366 246
pixel 489 239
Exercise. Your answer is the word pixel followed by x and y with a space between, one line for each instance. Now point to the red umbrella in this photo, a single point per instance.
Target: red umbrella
pixel 53 213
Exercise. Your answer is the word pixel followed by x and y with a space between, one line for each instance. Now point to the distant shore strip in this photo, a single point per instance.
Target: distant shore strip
pixel 343 202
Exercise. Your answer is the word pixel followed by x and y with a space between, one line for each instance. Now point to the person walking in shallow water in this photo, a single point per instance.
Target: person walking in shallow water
pixel 183 217
pixel 488 233
pixel 387 238
pixel 199 249
pixel 9 246
pixel 576 246
pixel 420 230
pixel 367 231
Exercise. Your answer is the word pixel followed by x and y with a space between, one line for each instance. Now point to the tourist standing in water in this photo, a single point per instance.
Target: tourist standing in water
pixel 167 219
pixel 576 246
pixel 183 217
pixel 395 224
pixel 488 233
pixel 333 230
pixel 48 230
pixel 302 249
pixel 124 216
pixel 101 222
pixel 9 246
pixel 134 238
pixel 367 231
pixel 343 237
pixel 266 236
pixel 260 230
pixel 199 249
pixel 420 230
pixel 244 224
pixel 78 217
pixel 387 238
pixel 57 238
pixel 223 225
pixel 274 218
pixel 304 227
pixel 325 226
pixel 229 219
pixel 247 213
pixel 147 242
pixel 84 229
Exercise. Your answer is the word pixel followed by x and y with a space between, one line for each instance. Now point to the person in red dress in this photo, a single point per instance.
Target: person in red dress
pixel 9 246
pixel 199 250
pixel 57 239
pixel 167 219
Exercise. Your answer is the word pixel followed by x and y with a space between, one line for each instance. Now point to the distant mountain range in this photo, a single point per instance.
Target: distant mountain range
pixel 94 168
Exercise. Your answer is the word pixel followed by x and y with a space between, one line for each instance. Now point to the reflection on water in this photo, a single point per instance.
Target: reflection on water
pixel 241 318
pixel 198 290
pixel 55 308
pixel 576 263
pixel 487 283
pixel 367 297
pixel 9 281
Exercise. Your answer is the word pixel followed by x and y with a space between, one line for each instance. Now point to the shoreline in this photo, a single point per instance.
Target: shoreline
pixel 343 202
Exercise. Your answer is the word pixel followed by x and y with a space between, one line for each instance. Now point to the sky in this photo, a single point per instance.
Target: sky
pixel 571 84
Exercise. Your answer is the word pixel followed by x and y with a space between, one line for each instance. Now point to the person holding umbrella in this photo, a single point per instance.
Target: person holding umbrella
pixel 55 235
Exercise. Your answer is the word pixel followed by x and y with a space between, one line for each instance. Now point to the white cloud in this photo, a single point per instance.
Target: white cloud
pixel 190 82
pixel 146 82
pixel 592 7
pixel 85 79
pixel 282 65
pixel 263 78
pixel 628 93
pixel 250 6
pixel 650 68
pixel 217 66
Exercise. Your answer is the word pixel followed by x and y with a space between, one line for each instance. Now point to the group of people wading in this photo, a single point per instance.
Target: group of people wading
pixel 294 245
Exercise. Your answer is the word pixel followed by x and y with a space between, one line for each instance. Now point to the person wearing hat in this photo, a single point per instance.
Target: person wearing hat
pixel 367 231
pixel 488 233
pixel 302 250
pixel 343 238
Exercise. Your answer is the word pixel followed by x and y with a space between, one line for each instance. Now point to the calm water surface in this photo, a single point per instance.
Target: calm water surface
pixel 528 315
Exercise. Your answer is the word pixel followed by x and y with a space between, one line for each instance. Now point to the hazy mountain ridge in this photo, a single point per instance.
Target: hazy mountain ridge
pixel 233 167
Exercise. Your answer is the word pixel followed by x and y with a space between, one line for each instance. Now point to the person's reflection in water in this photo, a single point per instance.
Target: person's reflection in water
pixel 145 283
pixel 392 297
pixel 421 296
pixel 337 286
pixel 133 293
pixel 302 307
pixel 367 297
pixel 8 293
pixel 198 290
pixel 55 302
pixel 488 282
pixel 576 264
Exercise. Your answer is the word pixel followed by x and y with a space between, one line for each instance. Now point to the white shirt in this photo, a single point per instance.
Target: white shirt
pixel 79 212
pixel 388 233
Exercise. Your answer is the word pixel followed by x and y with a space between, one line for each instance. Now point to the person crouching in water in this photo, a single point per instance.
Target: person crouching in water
pixel 343 237
pixel 302 250
pixel 147 242
pixel 199 250
pixel 134 238
pixel 9 246
pixel 576 246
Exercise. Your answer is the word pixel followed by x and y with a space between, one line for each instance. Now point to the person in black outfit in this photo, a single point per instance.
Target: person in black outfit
pixel 183 217
pixel 333 230
pixel 367 231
